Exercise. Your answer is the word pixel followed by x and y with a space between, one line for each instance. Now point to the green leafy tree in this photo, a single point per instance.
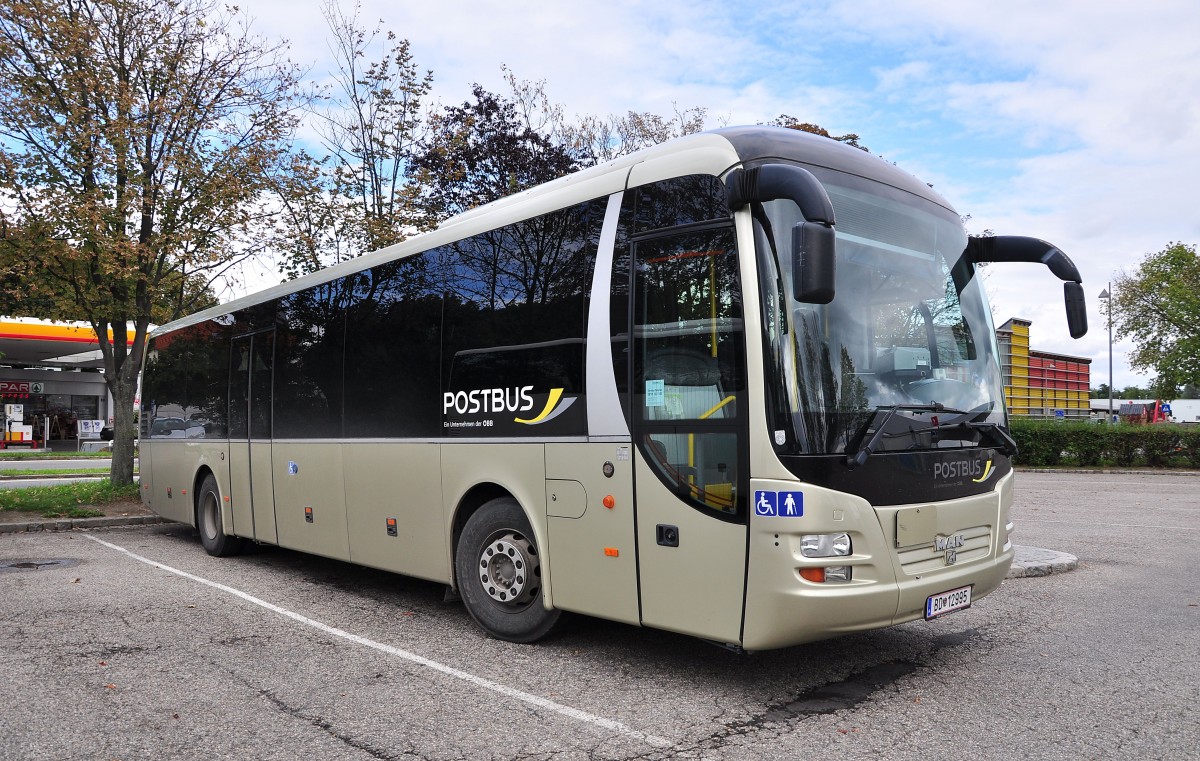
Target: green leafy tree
pixel 140 138
pixel 791 122
pixel 481 151
pixel 1158 307
pixel 357 197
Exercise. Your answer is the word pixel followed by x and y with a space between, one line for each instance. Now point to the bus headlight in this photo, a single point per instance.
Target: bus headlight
pixel 825 545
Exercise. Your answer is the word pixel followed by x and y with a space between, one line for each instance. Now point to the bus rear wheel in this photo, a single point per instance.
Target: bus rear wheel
pixel 499 573
pixel 208 522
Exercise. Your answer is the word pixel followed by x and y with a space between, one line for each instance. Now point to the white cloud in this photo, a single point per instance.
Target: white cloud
pixel 1075 121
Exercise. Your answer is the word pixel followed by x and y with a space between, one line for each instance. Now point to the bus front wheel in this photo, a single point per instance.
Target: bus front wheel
pixel 499 573
pixel 208 521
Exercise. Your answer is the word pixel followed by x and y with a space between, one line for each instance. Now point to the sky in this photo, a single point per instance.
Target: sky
pixel 1073 121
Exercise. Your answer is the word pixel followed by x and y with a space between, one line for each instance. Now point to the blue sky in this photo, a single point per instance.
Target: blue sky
pixel 1073 121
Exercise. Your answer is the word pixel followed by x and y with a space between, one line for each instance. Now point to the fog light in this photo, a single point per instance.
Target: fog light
pixel 838 573
pixel 825 545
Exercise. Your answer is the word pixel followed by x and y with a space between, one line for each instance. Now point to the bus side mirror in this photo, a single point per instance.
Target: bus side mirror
pixel 1076 309
pixel 1017 248
pixel 813 241
pixel 813 247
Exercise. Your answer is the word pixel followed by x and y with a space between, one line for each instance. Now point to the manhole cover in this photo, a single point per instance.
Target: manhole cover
pixel 36 564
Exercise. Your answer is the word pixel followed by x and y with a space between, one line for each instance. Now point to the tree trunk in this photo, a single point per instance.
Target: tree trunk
pixel 122 383
pixel 124 390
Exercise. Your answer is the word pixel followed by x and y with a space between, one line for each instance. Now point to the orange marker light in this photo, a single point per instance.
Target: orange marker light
pixel 609 502
pixel 816 575
pixel 612 552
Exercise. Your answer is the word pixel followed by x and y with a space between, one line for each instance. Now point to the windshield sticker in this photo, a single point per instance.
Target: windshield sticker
pixel 656 393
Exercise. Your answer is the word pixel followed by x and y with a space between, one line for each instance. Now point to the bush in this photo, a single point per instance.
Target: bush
pixel 1047 442
pixel 1039 442
pixel 1189 439
pixel 1088 442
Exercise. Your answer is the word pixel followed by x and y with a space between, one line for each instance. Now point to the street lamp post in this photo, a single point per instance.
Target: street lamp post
pixel 1106 296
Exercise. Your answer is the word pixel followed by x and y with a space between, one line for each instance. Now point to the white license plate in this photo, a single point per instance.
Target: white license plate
pixel 947 602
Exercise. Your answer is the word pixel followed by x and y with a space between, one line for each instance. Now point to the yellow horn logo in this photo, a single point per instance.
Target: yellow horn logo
pixel 549 412
pixel 987 471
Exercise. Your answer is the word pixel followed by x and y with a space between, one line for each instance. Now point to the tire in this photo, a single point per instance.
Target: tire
pixel 498 568
pixel 208 522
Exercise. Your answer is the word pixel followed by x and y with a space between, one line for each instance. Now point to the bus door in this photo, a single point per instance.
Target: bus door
pixel 687 402
pixel 253 493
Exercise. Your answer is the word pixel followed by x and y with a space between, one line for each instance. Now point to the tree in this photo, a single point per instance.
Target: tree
pixel 481 151
pixel 141 138
pixel 1158 306
pixel 357 198
pixel 791 122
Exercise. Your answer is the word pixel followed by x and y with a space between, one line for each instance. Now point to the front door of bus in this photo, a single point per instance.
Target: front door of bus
pixel 687 402
pixel 253 493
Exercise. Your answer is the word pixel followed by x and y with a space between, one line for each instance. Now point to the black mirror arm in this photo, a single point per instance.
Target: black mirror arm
pixel 1019 248
pixel 773 181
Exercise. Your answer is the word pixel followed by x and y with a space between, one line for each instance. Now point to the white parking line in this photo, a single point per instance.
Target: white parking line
pixel 487 684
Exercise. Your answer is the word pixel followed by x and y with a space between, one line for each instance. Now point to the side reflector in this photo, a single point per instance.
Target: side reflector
pixel 815 575
pixel 612 552
pixel 609 502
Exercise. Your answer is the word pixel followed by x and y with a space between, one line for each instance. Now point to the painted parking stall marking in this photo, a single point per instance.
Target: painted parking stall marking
pixel 524 697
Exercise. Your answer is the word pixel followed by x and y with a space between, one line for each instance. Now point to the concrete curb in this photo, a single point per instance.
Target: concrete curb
pixel 1110 471
pixel 1034 561
pixel 70 524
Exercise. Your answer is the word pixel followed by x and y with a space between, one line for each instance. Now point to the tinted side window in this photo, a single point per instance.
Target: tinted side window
pixel 514 327
pixel 679 201
pixel 393 345
pixel 184 393
pixel 670 203
pixel 308 362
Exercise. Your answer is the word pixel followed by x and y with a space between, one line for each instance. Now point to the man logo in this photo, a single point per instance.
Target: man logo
pixel 552 410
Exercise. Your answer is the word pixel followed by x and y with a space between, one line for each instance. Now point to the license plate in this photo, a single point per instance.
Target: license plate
pixel 947 602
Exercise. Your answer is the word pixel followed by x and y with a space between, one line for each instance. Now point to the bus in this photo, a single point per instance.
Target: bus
pixel 742 385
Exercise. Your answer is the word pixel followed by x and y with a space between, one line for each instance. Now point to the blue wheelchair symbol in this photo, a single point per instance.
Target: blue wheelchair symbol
pixel 783 504
pixel 766 503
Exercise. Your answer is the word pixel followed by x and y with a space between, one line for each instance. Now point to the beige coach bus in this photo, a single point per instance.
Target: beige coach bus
pixel 742 385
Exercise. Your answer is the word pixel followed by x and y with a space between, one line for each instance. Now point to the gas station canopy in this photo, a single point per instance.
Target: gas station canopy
pixel 30 342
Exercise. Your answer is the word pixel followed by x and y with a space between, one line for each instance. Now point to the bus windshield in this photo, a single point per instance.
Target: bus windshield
pixel 907 344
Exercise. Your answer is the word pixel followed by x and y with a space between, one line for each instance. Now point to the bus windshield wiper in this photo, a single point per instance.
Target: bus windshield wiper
pixel 993 432
pixel 859 456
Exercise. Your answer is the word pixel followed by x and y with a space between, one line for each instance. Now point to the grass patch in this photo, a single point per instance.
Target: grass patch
pixel 34 472
pixel 17 454
pixel 68 500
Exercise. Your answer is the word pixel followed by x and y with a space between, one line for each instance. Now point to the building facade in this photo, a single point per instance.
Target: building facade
pixel 1040 383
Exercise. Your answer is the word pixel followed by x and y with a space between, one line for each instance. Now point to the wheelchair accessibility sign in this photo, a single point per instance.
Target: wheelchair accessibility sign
pixel 779 504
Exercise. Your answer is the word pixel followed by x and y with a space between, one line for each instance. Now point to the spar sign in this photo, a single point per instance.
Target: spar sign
pixel 21 389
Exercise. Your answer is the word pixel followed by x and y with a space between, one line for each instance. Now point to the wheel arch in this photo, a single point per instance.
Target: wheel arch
pixel 202 473
pixel 470 502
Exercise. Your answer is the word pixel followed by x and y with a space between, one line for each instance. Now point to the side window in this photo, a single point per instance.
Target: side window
pixel 308 362
pixel 514 326
pixel 393 350
pixel 184 393
pixel 690 380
